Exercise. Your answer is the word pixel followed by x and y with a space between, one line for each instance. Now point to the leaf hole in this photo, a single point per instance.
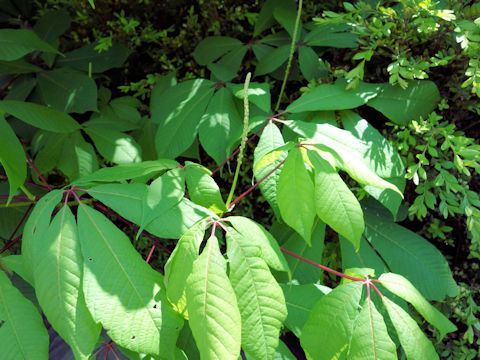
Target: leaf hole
pixel 90 259
pixel 133 337
pixel 155 306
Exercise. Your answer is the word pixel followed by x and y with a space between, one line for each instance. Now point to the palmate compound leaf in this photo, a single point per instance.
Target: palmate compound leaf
pixel 329 328
pixel 400 286
pixel 414 342
pixel 122 291
pixel 212 307
pixel 295 195
pixel 179 266
pixel 22 332
pixel 58 276
pixel 370 340
pixel 260 298
pixel 335 204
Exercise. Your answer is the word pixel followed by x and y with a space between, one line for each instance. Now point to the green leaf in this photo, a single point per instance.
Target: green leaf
pixel 16 43
pixel 309 63
pixel 329 327
pixel 40 116
pixel 213 47
pixel 129 171
pixel 335 204
pixel 22 88
pixel 78 157
pixel 120 114
pixel 400 286
pixel 220 126
pixel 287 18
pixel 87 58
pixel 115 146
pixel 122 291
pixel 68 91
pixel 180 264
pixel 403 105
pixel 412 256
pixel 334 97
pixel 227 67
pixel 22 332
pixel 332 36
pixel 258 94
pixel 52 24
pixel 12 157
pixel 178 113
pixel 212 306
pixel 270 140
pixel 362 257
pixel 300 300
pixel 19 66
pixel 265 18
pixel 295 195
pixel 370 338
pixel 414 342
pixel 58 275
pixel 273 60
pixel 260 298
pixel 271 252
pixel 36 227
pixel 203 190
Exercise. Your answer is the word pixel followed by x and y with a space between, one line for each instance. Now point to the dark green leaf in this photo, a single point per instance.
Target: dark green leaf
pixel 115 146
pixel 211 48
pixel 19 66
pixel 273 60
pixel 332 36
pixel 16 43
pixel 52 24
pixel 227 67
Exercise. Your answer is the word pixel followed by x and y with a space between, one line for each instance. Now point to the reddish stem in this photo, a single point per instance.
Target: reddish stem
pixel 150 254
pixel 8 245
pixel 38 173
pixel 20 222
pixel 26 183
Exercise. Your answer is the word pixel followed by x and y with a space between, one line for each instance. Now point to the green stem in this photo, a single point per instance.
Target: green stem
pixel 244 137
pixel 28 193
pixel 290 57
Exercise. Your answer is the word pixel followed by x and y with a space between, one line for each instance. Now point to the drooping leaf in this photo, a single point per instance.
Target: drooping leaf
pixel 330 326
pixel 414 342
pixel 404 105
pixel 87 58
pixel 203 190
pixel 271 252
pixel 213 47
pixel 180 264
pixel 400 286
pixel 220 126
pixel 260 298
pixel 212 307
pixel 58 276
pixel 273 60
pixel 68 91
pixel 122 291
pixel 295 195
pixel 370 338
pixel 16 43
pixel 335 204
pixel 40 116
pixel 410 255
pixel 22 333
pixel 115 146
pixel 12 157
pixel 300 300
pixel 178 112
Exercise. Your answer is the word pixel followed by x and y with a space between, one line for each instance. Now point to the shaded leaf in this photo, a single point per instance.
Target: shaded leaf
pixel 273 60
pixel 16 43
pixel 213 47
pixel 115 146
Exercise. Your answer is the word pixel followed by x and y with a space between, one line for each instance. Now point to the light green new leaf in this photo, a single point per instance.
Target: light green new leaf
pixel 12 157
pixel 35 227
pixel 412 256
pixel 58 274
pixel 203 190
pixel 404 105
pixel 122 291
pixel 128 171
pixel 328 330
pixel 400 286
pixel 370 340
pixel 258 94
pixel 220 126
pixel 179 266
pixel 178 112
pixel 270 140
pixel 295 195
pixel 333 97
pixel 414 342
pixel 260 298
pixel 257 234
pixel 212 47
pixel 273 60
pixel 16 43
pixel 22 332
pixel 40 116
pixel 335 204
pixel 68 91
pixel 300 300
pixel 115 146
pixel 212 306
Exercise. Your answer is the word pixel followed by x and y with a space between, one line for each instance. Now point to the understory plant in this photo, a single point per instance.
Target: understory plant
pixel 100 170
